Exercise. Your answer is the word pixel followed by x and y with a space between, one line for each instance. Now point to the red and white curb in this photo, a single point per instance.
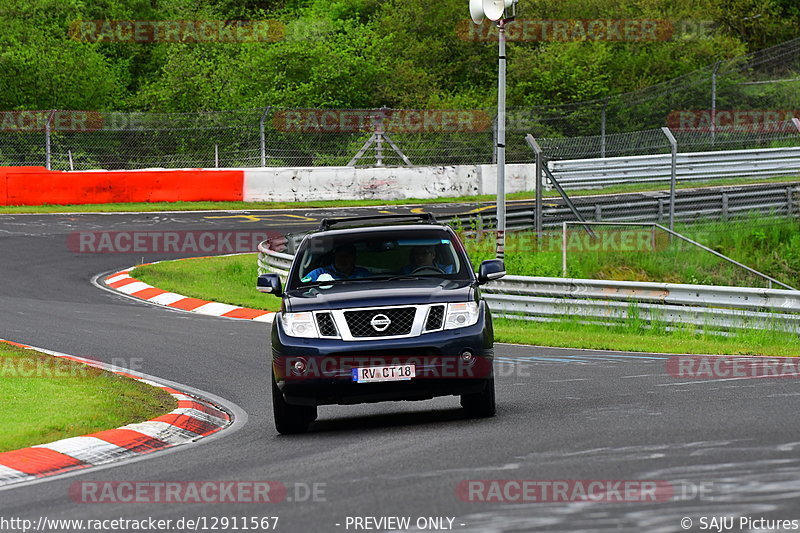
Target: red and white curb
pixel 123 282
pixel 193 419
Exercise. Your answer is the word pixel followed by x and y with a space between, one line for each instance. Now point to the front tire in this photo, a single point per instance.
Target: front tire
pixel 480 404
pixel 290 419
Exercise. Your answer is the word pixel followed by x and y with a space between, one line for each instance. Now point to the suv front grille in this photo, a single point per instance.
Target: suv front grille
pixel 361 322
pixel 435 318
pixel 327 328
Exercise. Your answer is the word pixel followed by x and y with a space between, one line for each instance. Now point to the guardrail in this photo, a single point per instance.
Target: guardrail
pixel 704 306
pixel 540 298
pixel 712 203
pixel 273 261
pixel 691 166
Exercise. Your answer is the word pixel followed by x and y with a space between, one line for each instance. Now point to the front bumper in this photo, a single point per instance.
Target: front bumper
pixel 326 377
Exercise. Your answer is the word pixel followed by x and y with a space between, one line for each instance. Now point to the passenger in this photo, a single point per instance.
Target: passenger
pixel 425 256
pixel 343 266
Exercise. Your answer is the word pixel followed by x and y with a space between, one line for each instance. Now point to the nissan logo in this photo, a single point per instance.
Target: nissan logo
pixel 380 322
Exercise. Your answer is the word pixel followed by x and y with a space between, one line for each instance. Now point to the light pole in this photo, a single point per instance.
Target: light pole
pixel 495 10
pixel 501 142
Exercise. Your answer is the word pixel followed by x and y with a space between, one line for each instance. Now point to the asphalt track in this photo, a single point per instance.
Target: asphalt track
pixel 562 415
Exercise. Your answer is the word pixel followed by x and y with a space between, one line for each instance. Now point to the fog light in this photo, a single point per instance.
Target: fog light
pixel 299 366
pixel 466 356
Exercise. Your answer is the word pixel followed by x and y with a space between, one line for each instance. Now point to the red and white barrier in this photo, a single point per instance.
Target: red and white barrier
pixel 37 185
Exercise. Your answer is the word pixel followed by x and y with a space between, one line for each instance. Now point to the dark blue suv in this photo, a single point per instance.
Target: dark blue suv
pixel 379 313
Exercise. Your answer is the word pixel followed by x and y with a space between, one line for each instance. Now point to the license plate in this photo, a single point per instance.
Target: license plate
pixel 375 374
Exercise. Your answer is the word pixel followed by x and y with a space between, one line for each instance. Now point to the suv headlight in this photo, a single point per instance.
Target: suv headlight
pixel 299 325
pixel 461 315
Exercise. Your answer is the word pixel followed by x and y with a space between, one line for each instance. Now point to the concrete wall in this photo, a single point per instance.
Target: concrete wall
pixel 37 185
pixel 348 183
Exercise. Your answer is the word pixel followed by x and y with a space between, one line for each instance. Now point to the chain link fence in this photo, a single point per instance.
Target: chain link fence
pixel 733 190
pixel 767 80
pixel 701 104
pixel 273 137
pixel 761 151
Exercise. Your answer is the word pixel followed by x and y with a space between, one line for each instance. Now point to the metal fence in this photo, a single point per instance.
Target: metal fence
pixel 779 134
pixel 668 168
pixel 259 138
pixel 544 298
pixel 271 137
pixel 702 306
pixel 728 219
pixel 765 82
pixel 706 206
pixel 273 261
pixel 760 163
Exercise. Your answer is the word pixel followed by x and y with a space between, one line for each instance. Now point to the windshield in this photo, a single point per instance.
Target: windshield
pixel 382 255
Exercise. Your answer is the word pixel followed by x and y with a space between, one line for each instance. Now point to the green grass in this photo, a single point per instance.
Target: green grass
pixel 45 398
pixel 251 206
pixel 660 186
pixel 230 280
pixel 631 337
pixel 769 245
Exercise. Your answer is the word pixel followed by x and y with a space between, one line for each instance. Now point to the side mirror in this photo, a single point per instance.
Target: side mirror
pixel 269 283
pixel 491 269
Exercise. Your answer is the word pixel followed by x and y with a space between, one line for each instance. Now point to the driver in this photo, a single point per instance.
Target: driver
pixel 343 266
pixel 425 256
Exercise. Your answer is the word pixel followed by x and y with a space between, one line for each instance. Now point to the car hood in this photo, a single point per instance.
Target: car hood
pixel 379 294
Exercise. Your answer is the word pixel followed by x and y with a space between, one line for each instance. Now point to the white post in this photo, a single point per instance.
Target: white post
pixel 47 139
pixel 564 249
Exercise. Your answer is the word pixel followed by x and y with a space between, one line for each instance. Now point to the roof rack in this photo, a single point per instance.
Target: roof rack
pixel 326 223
